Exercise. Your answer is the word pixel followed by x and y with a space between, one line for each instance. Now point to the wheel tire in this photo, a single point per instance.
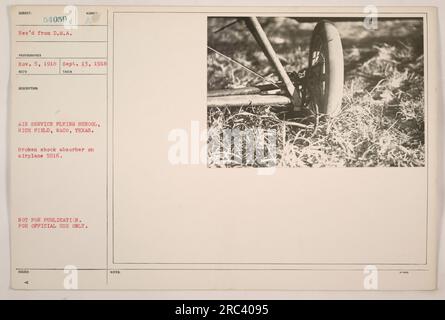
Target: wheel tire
pixel 327 42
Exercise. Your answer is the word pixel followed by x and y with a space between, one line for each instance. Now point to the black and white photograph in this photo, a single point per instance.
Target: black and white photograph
pixel 315 92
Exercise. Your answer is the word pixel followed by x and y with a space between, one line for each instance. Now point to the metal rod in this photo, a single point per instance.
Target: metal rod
pixel 248 100
pixel 226 26
pixel 269 87
pixel 261 37
pixel 241 65
pixel 233 92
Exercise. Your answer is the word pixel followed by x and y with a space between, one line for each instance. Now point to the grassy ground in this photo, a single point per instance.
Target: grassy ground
pixel 382 117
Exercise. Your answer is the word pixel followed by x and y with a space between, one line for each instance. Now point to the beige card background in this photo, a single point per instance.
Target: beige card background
pixel 190 213
pixel 298 228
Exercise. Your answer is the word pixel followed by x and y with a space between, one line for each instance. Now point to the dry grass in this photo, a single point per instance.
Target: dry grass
pixel 382 118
